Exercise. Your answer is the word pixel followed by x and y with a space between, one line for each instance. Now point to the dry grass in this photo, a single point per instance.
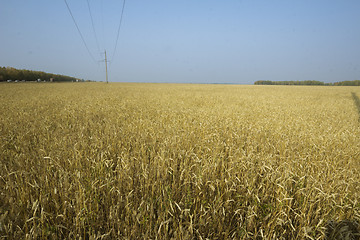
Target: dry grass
pixel 162 161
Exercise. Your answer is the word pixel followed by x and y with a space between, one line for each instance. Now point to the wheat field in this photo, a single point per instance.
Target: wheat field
pixel 177 161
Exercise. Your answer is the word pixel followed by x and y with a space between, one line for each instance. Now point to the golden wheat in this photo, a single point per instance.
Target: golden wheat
pixel 162 161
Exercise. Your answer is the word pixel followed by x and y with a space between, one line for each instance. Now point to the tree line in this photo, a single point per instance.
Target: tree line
pixel 308 83
pixel 9 73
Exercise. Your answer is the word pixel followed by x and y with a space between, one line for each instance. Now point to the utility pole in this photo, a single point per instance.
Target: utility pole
pixel 106 68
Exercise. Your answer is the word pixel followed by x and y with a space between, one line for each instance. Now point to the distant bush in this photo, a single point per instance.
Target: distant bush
pixel 348 83
pixel 308 83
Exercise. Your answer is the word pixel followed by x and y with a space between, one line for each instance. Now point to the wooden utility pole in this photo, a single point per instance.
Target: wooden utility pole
pixel 106 68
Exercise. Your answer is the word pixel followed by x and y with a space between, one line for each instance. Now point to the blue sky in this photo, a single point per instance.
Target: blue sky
pixel 198 41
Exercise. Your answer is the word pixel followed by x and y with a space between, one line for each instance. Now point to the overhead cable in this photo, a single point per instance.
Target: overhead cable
pixel 77 27
pixel 118 32
pixel 93 26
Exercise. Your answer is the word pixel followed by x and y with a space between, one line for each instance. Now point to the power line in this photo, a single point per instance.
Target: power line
pixel 102 20
pixel 77 27
pixel 93 27
pixel 118 32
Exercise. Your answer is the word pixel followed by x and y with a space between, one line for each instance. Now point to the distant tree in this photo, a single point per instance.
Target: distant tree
pixel 263 82
pixel 28 75
pixel 306 82
pixel 348 83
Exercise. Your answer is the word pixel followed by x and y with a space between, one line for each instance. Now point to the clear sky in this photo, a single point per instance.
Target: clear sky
pixel 198 41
